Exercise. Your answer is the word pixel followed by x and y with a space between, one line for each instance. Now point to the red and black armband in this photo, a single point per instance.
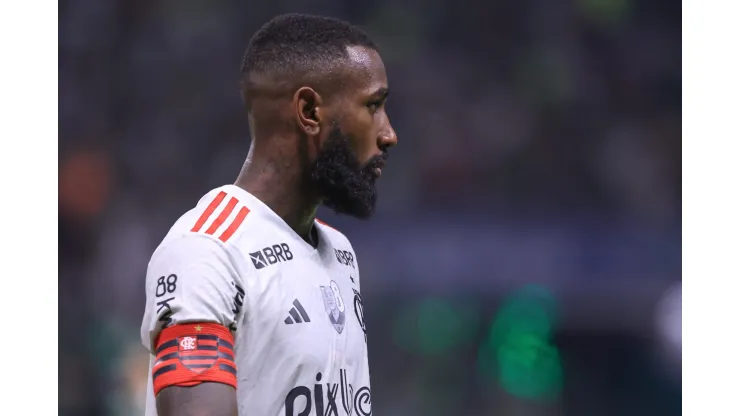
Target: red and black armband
pixel 190 354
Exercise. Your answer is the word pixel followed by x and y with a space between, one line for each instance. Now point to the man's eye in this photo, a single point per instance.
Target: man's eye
pixel 374 106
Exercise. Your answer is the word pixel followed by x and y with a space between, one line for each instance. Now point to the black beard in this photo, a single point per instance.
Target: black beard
pixel 345 186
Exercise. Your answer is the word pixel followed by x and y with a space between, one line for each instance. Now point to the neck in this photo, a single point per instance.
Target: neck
pixel 280 186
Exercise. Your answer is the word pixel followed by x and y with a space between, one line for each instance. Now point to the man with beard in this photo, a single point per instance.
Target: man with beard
pixel 253 306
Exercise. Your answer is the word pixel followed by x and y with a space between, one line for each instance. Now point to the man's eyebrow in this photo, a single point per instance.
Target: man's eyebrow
pixel 381 93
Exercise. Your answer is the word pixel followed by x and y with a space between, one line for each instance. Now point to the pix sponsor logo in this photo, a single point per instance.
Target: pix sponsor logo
pixel 322 397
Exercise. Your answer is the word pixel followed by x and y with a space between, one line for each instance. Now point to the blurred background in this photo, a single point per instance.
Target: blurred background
pixel 525 258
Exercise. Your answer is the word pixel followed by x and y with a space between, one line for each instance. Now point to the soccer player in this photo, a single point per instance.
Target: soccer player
pixel 253 306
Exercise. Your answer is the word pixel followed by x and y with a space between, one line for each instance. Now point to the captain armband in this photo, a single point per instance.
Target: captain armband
pixel 190 354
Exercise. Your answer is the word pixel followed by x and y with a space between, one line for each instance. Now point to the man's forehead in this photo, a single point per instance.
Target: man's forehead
pixel 366 67
pixel 363 57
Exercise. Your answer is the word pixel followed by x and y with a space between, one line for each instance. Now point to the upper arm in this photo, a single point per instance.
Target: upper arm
pixel 191 290
pixel 190 279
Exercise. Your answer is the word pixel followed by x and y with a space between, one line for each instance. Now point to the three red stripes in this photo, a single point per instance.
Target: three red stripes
pixel 231 229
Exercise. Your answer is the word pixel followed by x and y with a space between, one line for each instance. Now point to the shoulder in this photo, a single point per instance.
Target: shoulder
pixel 213 231
pixel 223 214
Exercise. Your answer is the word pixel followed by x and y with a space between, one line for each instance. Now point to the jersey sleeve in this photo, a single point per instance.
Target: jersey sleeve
pixel 194 297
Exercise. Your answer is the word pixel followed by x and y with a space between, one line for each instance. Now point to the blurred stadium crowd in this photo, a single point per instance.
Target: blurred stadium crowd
pixel 539 143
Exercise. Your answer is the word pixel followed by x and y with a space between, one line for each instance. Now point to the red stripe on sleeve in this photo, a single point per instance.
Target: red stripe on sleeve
pixel 222 217
pixel 209 211
pixel 235 224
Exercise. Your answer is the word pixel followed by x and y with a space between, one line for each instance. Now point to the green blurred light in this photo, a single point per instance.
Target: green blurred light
pixel 529 310
pixel 434 327
pixel 517 351
pixel 529 367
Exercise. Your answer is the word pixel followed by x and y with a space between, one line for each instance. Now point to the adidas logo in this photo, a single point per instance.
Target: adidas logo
pixel 297 314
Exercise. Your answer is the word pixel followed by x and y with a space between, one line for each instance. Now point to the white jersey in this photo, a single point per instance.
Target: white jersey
pixel 295 311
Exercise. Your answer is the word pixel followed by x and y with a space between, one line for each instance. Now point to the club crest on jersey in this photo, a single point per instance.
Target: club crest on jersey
pixel 197 352
pixel 334 305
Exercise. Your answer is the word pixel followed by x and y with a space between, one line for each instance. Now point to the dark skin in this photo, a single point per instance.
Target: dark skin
pixel 289 131
pixel 206 399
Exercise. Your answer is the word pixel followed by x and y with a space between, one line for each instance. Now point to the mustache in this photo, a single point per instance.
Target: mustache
pixel 377 161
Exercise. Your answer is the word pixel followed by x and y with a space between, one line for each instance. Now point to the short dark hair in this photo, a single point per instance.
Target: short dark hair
pixel 297 44
pixel 291 40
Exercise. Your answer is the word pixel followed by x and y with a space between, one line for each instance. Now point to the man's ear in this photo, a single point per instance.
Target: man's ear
pixel 307 104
